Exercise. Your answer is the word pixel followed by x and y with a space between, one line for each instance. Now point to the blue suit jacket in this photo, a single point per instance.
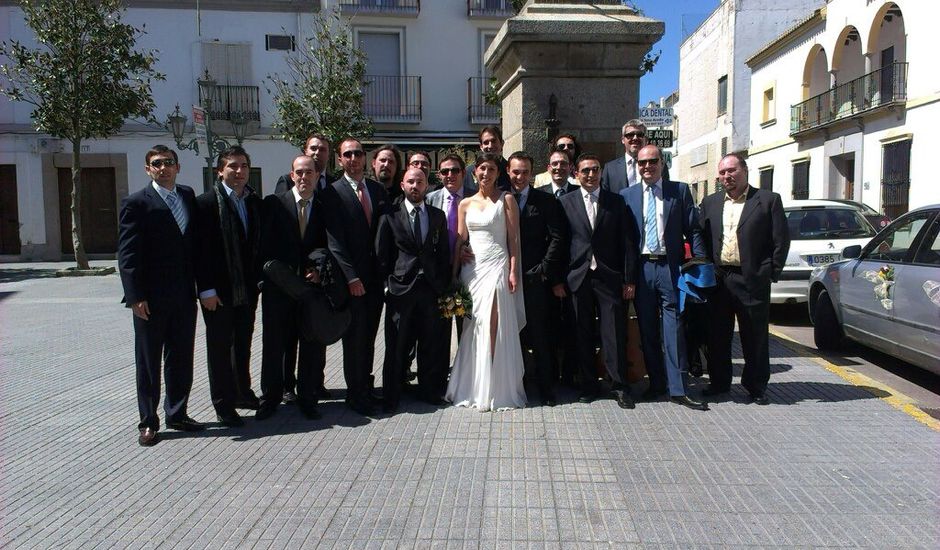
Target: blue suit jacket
pixel 681 219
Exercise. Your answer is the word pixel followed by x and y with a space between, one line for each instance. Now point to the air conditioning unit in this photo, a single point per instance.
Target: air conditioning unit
pixel 279 42
pixel 48 145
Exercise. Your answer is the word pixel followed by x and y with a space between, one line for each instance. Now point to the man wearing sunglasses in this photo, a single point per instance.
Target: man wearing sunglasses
pixel 567 144
pixel 622 172
pixel 664 217
pixel 156 256
pixel 354 205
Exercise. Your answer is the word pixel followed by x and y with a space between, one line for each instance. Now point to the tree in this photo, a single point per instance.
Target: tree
pixel 322 91
pixel 85 79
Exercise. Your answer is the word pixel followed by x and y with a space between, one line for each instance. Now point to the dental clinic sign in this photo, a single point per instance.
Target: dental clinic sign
pixel 656 116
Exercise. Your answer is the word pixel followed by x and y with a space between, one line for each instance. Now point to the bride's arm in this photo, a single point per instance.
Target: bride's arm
pixel 462 237
pixel 512 238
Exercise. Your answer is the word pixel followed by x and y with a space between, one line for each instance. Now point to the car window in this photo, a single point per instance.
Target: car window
pixel 929 252
pixel 827 223
pixel 894 242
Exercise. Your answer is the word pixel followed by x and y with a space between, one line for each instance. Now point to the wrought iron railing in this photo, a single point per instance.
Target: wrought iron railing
pixel 404 7
pixel 232 102
pixel 478 110
pixel 392 98
pixel 490 8
pixel 886 86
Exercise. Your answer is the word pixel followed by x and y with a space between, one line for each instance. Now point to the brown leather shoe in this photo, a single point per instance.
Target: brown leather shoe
pixel 148 437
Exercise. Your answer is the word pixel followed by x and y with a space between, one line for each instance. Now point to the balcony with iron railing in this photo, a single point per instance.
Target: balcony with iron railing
pixel 409 8
pixel 876 90
pixel 478 110
pixel 233 102
pixel 495 9
pixel 392 99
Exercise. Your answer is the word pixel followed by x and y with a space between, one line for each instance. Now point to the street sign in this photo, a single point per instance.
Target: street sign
pixel 656 116
pixel 662 138
pixel 199 125
pixel 668 158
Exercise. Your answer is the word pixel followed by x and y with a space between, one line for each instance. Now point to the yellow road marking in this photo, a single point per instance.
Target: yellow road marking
pixel 892 397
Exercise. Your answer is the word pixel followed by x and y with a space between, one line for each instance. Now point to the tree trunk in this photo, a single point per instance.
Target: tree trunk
pixel 81 259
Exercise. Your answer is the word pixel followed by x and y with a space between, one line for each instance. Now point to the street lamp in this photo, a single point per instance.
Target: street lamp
pixel 215 143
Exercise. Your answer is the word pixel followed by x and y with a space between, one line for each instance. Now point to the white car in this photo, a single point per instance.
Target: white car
pixel 819 230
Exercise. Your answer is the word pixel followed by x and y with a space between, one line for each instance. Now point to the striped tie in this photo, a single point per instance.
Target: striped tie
pixel 176 207
pixel 652 229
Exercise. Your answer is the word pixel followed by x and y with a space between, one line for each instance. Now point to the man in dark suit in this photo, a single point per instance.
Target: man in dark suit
pixel 601 274
pixel 294 226
pixel 543 238
pixel 491 141
pixel 746 235
pixel 664 217
pixel 622 172
pixel 316 147
pixel 228 268
pixel 354 205
pixel 414 261
pixel 156 252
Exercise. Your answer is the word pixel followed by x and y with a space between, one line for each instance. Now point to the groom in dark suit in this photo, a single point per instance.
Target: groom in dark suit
pixel 414 261
pixel 543 238
pixel 354 205
pixel 602 271
pixel 156 252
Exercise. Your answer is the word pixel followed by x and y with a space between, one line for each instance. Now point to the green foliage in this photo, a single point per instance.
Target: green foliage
pixel 517 4
pixel 85 78
pixel 649 61
pixel 323 89
pixel 491 95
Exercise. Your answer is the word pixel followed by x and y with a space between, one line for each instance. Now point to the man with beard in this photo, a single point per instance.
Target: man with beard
pixel 385 164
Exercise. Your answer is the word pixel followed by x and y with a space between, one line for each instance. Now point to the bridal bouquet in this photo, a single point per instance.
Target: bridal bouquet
pixel 456 302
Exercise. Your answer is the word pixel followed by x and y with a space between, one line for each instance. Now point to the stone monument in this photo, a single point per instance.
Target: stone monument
pixel 570 66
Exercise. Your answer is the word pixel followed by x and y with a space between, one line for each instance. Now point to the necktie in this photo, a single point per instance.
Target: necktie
pixel 559 192
pixel 416 225
pixel 242 211
pixel 591 208
pixel 302 215
pixel 364 201
pixel 452 221
pixel 176 208
pixel 651 227
pixel 631 173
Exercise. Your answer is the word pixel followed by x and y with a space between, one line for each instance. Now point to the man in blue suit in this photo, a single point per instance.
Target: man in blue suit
pixel 664 217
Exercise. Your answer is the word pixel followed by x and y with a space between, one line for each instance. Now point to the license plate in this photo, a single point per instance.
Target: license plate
pixel 823 259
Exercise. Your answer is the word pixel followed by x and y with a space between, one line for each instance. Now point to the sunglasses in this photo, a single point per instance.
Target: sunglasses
pixel 353 153
pixel 449 171
pixel 590 170
pixel 160 163
pixel 565 146
pixel 631 135
pixel 644 162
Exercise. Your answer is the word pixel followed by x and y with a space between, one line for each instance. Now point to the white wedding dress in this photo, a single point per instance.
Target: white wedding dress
pixel 478 379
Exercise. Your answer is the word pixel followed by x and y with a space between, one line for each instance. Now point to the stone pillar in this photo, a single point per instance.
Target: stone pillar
pixel 586 54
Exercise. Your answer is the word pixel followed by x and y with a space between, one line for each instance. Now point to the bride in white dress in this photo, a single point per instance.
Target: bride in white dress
pixel 487 372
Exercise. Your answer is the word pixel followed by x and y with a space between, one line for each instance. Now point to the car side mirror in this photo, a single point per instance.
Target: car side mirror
pixel 852 252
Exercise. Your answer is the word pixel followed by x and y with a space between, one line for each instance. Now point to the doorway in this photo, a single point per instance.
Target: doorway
pixel 98 210
pixel 9 211
pixel 842 177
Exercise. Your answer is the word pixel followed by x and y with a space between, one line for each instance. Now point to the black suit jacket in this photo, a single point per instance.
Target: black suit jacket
pixel 612 242
pixel 352 240
pixel 284 183
pixel 280 234
pixel 400 256
pixel 543 235
pixel 155 259
pixel 763 237
pixel 212 269
pixel 614 175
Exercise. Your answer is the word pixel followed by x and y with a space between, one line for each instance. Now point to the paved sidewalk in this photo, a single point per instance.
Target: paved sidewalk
pixel 826 464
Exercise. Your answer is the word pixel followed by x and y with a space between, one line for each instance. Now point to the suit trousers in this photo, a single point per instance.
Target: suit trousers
pixel 563 340
pixel 535 334
pixel 597 298
pixel 731 300
pixel 280 317
pixel 661 333
pixel 169 335
pixel 418 325
pixel 359 343
pixel 228 353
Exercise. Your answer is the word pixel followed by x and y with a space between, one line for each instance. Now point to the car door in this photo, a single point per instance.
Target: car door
pixel 866 316
pixel 917 302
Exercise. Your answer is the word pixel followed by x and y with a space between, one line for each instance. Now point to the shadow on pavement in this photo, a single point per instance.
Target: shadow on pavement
pixel 17 275
pixel 5 295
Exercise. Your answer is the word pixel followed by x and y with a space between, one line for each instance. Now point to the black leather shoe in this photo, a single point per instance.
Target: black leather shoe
pixel 289 397
pixel 265 411
pixel 434 401
pixel 323 393
pixel 712 389
pixel 309 411
pixel 759 399
pixel 624 401
pixel 230 420
pixel 186 424
pixel 361 407
pixel 652 394
pixel 549 401
pixel 587 397
pixel 686 401
pixel 249 402
pixel 148 437
pixel 389 408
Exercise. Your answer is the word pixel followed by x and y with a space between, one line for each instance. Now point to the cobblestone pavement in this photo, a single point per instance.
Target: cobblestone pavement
pixel 826 464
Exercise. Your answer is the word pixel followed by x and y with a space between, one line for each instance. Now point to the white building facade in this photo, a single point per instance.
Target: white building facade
pixel 426 79
pixel 713 113
pixel 845 105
